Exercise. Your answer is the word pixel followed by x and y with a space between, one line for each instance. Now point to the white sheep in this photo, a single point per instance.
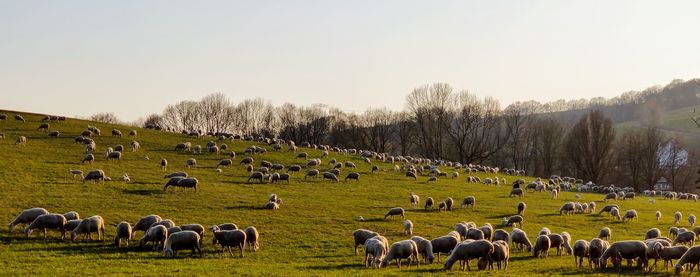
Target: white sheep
pixel 88 226
pixel 47 221
pixel 181 241
pixel 27 217
pixel 408 227
pixel 124 231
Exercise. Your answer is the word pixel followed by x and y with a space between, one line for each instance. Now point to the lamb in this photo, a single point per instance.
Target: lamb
pixel 591 207
pixel 691 220
pixel 652 233
pixel 444 244
pixel 21 140
pixel 156 234
pixel 252 237
pixel 135 146
pixel 95 175
pixel 181 241
pixel 580 252
pixel 176 174
pixel 377 249
pixel 555 193
pixel 541 247
pixel 516 192
pixel 468 201
pixel 471 250
pixel 27 217
pixel 608 208
pixel 408 227
pixel 124 231
pixel 692 257
pixel 330 176
pixel 629 250
pixel 405 249
pixel 47 221
pixel 145 222
pixel 500 234
pixel 596 248
pixel 567 242
pixel 685 237
pixel 605 233
pixel 88 226
pixel 361 236
pixel 72 215
pixel 397 211
pixel 191 163
pixel 519 240
pixel 414 200
pixel 429 202
pixel 515 220
pixel 521 208
pixel 658 216
pixel 163 164
pixel 677 217
pixel 271 206
pixel 630 215
pixel 425 249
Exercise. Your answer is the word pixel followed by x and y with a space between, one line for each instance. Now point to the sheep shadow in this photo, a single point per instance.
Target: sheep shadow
pixel 336 267
pixel 142 191
pixel 243 207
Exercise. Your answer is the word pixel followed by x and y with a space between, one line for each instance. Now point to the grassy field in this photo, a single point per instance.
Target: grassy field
pixel 309 235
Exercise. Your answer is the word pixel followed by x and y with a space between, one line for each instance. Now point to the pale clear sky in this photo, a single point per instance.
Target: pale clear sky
pixel 135 57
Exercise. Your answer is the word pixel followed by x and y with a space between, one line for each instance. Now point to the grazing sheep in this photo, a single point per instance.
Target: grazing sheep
pixel 556 241
pixel 145 222
pixel 500 234
pixel 629 250
pixel 519 240
pixel 425 249
pixel 376 248
pixel 21 140
pixel 544 231
pixel 27 217
pixel 487 230
pixel 608 208
pixel 429 202
pixel 294 168
pixel 658 216
pixel 408 227
pixel 414 200
pixel 311 173
pixel 168 223
pixel 516 192
pixel 615 213
pixel 53 134
pixel 19 118
pixel 652 233
pixel 692 257
pixel 156 234
pixel 610 196
pixel 183 183
pixel 411 174
pixel 397 211
pixel 191 163
pixel 116 133
pixel 468 201
pixel 361 236
pixel 124 231
pixel 449 202
pixel 541 247
pixel 132 133
pixel 555 193
pixel 405 249
pixel 605 233
pixel 475 234
pixel 116 155
pixel 72 215
pixel 677 217
pixel 181 241
pixel 47 221
pixel 596 249
pixel 567 208
pixel 330 176
pixel 515 220
pixel 691 220
pixel 135 146
pixel 257 175
pixel 630 215
pixel 580 252
pixel 521 208
pixel 444 244
pixel 500 255
pixel 95 175
pixel 685 237
pixel 88 226
pixel 252 238
pixel 470 250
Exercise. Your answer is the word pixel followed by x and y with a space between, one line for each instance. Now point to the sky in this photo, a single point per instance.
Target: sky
pixel 134 58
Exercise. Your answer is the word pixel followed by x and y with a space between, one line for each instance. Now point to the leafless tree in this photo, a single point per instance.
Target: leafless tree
pixel 109 118
pixel 588 146
pixel 429 106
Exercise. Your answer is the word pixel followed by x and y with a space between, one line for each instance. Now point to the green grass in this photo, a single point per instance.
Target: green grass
pixel 309 235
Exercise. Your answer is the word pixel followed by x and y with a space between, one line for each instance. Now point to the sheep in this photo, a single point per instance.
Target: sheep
pixel 19 118
pixel 375 247
pixel 691 220
pixel 677 217
pixel 183 183
pixel 397 211
pixel 191 163
pixel 516 192
pixel 411 174
pixel 556 241
pixel 652 233
pixel 181 241
pixel 487 230
pixel 116 133
pixel 88 226
pixel 608 208
pixel 53 134
pixel 500 255
pixel 425 249
pixel 132 133
pixel 156 234
pixel 658 216
pixel 629 250
pixel 610 196
pixel 605 233
pixel 124 231
pixel 413 199
pixel 135 146
pixel 408 227
pixel 361 236
pixel 544 231
pixel 174 229
pixel 471 250
pixel 21 140
pixel 500 234
pixel 519 240
pixel 145 222
pixel 116 155
pixel 630 215
pixel 580 252
pixel 596 248
pixel 330 176
pixel 168 223
pixel 521 208
pixel 449 202
pixel 405 249
pixel 468 201
pixel 311 173
pixel 541 247
pixel 567 208
pixel 615 213
pixel 95 175
pixel 176 174
pixel 47 221
pixel 27 217
pixel 685 237
pixel 692 257
pixel 515 220
pixel 444 244
pixel 555 193
pixel 186 146
pixel 475 234
pixel 72 215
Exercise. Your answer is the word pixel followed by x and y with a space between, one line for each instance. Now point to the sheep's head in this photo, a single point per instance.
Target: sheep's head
pixel 73 236
pixel 28 231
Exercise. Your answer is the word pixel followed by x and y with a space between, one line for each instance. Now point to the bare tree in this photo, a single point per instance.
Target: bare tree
pixel 588 146
pixel 109 118
pixel 405 132
pixel 429 106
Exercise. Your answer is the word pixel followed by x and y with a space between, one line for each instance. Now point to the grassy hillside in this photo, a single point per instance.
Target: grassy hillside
pixel 309 235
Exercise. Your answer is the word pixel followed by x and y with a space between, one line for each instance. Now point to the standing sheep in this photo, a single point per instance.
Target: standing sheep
pixel 425 249
pixel 181 241
pixel 376 248
pixel 605 233
pixel 414 200
pixel 444 244
pixel 677 217
pixel 692 257
pixel 408 227
pixel 541 247
pixel 88 226
pixel 468 201
pixel 596 248
pixel 629 250
pixel 47 221
pixel 519 240
pixel 580 252
pixel 145 222
pixel 521 208
pixel 658 216
pixel 470 250
pixel 405 249
pixel 252 238
pixel 163 164
pixel 156 234
pixel 429 202
pixel 230 238
pixel 691 221
pixel 124 231
pixel 397 211
pixel 360 236
pixel 27 217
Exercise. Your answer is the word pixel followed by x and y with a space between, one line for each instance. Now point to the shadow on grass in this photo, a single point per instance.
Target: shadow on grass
pixel 337 266
pixel 143 191
pixel 243 207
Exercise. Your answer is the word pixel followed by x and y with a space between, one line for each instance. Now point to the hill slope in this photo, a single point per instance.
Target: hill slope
pixel 309 235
